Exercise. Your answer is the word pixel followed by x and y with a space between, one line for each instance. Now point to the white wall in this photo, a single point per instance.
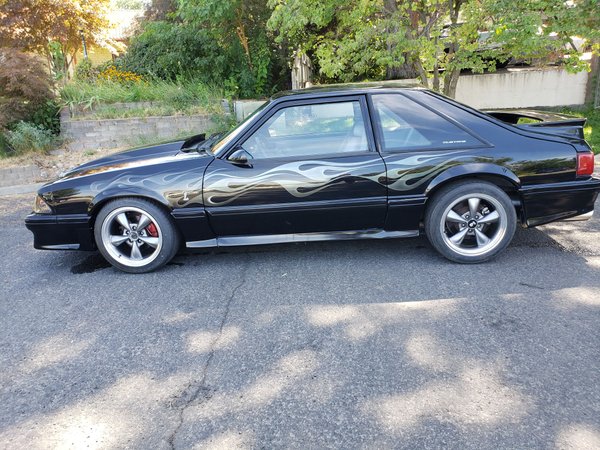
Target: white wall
pixel 522 88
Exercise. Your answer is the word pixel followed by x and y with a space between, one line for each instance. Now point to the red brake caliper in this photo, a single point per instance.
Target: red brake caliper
pixel 151 230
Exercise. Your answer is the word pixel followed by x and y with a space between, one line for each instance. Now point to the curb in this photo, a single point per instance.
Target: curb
pixel 20 189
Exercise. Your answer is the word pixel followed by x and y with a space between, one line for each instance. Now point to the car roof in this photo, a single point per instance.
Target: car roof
pixel 347 88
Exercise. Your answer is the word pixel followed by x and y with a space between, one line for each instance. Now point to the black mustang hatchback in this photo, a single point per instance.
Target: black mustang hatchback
pixel 338 162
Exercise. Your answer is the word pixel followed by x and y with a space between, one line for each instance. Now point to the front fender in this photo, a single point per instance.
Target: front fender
pixel 473 170
pixel 129 191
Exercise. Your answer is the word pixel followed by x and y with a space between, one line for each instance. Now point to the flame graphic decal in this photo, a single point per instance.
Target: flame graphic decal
pixel 301 178
pixel 304 178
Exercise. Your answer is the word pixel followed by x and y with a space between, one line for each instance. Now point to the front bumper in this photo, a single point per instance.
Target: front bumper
pixel 56 232
pixel 559 201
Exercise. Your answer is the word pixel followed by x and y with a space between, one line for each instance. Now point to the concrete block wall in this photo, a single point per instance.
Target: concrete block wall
pixel 523 88
pixel 12 176
pixel 113 133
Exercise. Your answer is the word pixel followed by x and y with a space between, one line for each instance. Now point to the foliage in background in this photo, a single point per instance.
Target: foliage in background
pixel 431 39
pixel 33 25
pixel 26 137
pixel 592 126
pixel 215 41
pixel 239 29
pixel 129 4
pixel 177 95
pixel 25 88
pixel 169 50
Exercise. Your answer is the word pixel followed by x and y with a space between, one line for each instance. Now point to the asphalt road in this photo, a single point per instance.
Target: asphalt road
pixel 371 344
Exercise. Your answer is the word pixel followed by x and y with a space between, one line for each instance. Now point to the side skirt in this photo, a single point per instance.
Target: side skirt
pixel 232 241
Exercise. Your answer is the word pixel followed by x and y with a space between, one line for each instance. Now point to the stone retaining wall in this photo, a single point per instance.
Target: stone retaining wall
pixel 11 176
pixel 113 133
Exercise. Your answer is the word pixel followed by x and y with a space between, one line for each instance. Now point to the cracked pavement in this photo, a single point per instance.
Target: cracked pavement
pixel 340 345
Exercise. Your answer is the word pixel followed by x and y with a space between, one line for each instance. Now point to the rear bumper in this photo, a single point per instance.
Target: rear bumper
pixel 558 201
pixel 55 232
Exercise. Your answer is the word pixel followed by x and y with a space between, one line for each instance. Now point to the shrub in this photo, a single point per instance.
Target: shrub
pixel 25 86
pixel 25 137
pixel 85 70
pixel 175 50
pixel 169 50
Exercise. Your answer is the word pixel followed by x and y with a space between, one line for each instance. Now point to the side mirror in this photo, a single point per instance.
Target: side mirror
pixel 240 157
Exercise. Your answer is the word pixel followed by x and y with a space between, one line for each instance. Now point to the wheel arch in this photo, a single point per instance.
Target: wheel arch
pixel 105 197
pixel 499 176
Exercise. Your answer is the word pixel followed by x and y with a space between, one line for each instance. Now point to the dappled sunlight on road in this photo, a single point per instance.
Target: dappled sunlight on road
pixel 475 396
pixel 56 349
pixel 228 440
pixel 115 417
pixel 425 351
pixel 343 345
pixel 288 371
pixel 177 317
pixel 578 436
pixel 205 341
pixel 468 392
pixel 572 297
pixel 362 321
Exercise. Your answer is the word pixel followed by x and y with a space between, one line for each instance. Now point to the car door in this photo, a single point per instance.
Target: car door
pixel 308 166
pixel 416 144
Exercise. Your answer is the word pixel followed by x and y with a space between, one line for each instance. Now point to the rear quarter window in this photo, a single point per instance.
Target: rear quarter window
pixel 406 125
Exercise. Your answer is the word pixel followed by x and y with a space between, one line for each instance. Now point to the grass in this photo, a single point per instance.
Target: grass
pixel 175 97
pixel 113 112
pixel 592 127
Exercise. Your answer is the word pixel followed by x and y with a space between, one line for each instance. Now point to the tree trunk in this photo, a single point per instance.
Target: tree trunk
pixel 403 71
pixel 421 71
pixel 450 82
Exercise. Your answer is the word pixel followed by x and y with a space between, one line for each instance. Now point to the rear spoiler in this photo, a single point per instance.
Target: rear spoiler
pixel 542 121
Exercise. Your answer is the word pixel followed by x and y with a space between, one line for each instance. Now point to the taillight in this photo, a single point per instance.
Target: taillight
pixel 585 164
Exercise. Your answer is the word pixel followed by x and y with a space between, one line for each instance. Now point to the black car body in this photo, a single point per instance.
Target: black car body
pixel 341 162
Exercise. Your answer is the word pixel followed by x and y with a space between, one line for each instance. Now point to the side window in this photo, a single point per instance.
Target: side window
pixel 407 125
pixel 307 130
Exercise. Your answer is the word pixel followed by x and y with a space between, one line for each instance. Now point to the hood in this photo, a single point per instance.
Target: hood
pixel 138 157
pixel 129 156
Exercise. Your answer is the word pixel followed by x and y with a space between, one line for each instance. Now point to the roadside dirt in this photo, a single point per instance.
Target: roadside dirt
pixel 57 161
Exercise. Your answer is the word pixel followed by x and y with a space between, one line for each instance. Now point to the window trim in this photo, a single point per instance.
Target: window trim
pixel 378 129
pixel 361 98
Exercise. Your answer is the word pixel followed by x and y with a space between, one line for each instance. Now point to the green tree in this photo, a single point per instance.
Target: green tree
pixel 30 25
pixel 25 87
pixel 431 39
pixel 238 27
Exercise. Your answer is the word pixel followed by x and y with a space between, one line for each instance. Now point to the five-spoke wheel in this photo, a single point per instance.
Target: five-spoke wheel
pixel 470 221
pixel 132 236
pixel 135 235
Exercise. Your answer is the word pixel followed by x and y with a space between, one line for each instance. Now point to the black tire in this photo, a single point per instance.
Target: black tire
pixel 107 226
pixel 444 229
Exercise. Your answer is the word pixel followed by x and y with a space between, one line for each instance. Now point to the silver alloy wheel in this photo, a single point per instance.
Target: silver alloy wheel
pixel 474 224
pixel 127 238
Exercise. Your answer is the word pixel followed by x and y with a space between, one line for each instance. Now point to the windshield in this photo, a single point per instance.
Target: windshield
pixel 231 135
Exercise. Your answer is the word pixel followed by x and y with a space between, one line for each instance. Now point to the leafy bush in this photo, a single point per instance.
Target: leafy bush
pixel 174 50
pixel 85 70
pixel 25 137
pixel 25 87
pixel 169 50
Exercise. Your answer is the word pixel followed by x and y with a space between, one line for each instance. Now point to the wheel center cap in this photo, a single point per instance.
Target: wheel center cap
pixel 134 236
pixel 472 223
